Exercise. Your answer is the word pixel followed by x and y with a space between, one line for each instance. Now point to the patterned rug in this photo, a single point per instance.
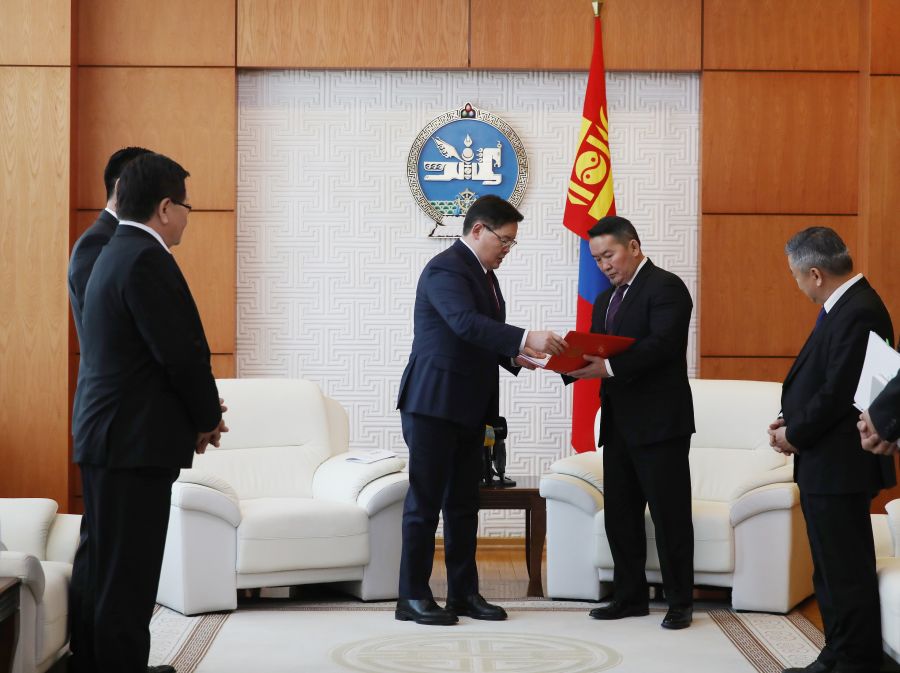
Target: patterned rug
pixel 541 636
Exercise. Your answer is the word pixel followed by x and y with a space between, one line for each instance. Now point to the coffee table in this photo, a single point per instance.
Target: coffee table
pixel 526 496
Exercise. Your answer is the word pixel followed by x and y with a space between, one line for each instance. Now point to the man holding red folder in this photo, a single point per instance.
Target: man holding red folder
pixel 648 420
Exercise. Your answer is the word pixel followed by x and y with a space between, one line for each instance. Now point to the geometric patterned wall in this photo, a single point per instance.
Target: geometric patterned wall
pixel 330 242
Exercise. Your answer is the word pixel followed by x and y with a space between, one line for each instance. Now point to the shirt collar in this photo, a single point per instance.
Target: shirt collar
pixel 111 213
pixel 837 294
pixel 152 232
pixel 483 267
pixel 637 271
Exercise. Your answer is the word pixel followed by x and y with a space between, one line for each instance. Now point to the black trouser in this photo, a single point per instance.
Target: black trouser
pixel 126 513
pixel 657 475
pixel 444 473
pixel 844 577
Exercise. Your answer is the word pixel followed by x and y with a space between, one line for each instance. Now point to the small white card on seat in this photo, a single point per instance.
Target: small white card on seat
pixel 372 456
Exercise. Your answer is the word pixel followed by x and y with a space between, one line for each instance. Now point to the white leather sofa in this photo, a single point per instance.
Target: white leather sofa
pixel 749 532
pixel 39 549
pixel 278 504
pixel 886 529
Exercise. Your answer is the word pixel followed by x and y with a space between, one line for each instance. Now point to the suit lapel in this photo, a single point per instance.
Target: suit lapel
pixel 481 280
pixel 860 286
pixel 631 295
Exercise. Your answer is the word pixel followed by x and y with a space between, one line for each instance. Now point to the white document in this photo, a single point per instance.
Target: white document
pixel 881 365
pixel 372 456
pixel 539 362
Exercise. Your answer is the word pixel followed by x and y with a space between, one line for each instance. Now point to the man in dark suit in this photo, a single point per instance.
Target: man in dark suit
pixel 837 479
pixel 146 400
pixel 879 425
pixel 647 423
pixel 84 254
pixel 448 393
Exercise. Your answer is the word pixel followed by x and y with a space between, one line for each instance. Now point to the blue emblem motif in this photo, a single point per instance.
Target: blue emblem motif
pixel 462 155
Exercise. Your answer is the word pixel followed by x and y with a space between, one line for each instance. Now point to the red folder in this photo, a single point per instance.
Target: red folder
pixel 586 343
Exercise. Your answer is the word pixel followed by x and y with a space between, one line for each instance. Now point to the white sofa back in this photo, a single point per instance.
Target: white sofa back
pixel 25 524
pixel 279 433
pixel 730 452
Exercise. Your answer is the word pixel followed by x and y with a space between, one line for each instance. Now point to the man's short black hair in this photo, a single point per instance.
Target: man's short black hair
pixel 492 212
pixel 116 163
pixel 819 247
pixel 146 181
pixel 617 227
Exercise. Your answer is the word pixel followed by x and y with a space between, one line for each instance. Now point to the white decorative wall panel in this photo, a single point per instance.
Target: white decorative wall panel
pixel 330 242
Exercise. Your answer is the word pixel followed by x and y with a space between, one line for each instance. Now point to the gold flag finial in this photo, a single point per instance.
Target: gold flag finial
pixel 598 5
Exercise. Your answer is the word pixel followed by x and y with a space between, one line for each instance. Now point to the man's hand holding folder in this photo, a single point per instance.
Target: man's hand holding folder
pixel 581 344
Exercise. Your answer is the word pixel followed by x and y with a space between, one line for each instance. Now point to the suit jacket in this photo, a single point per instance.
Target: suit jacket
pixel 817 399
pixel 460 337
pixel 885 411
pixel 648 397
pixel 84 255
pixel 145 385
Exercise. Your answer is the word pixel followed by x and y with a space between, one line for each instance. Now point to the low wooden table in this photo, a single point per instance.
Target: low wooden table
pixel 524 495
pixel 9 621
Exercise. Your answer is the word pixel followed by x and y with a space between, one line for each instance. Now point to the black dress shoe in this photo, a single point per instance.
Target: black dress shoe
pixel 423 611
pixel 476 607
pixel 678 618
pixel 815 667
pixel 164 668
pixel 617 610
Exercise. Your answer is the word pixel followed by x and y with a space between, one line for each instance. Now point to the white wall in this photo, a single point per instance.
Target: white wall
pixel 330 242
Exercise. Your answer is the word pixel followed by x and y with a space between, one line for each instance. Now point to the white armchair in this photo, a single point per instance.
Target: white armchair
pixel 886 530
pixel 749 532
pixel 39 549
pixel 278 504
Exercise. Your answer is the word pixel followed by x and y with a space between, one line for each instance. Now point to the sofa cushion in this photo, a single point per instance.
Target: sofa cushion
pixel 26 524
pixel 724 475
pixel 734 414
pixel 713 539
pixel 279 534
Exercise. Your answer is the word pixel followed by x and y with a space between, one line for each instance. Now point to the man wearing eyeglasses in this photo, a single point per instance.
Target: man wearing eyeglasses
pixel 146 401
pixel 448 393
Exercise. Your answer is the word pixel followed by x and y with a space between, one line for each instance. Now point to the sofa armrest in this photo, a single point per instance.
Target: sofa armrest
pixel 27 568
pixel 764 499
pixel 893 518
pixel 572 490
pixel 340 480
pixel 207 493
pixel 780 475
pixel 587 466
pixel 383 492
pixel 62 542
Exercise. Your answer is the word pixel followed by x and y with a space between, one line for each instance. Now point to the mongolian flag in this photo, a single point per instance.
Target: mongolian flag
pixel 590 197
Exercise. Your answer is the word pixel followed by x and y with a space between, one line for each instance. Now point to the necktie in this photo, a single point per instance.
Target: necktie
pixel 820 318
pixel 490 279
pixel 614 304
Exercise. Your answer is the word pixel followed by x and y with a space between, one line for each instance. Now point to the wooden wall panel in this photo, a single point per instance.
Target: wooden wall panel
pixel 223 366
pixel 781 35
pixel 885 29
pixel 207 259
pixel 351 34
pixel 654 35
pixel 188 114
pixel 35 32
pixel 745 369
pixel 34 236
pixel 750 303
pixel 884 191
pixel 172 32
pixel 779 143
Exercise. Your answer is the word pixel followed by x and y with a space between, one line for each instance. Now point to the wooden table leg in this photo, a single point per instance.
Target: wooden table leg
pixel 528 542
pixel 537 518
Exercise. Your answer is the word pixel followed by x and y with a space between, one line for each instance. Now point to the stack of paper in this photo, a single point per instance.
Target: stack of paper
pixel 881 365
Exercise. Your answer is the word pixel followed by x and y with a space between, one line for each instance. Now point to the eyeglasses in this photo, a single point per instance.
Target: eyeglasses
pixel 183 205
pixel 508 243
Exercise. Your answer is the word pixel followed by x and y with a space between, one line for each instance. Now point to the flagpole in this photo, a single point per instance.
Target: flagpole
pixel 597 5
